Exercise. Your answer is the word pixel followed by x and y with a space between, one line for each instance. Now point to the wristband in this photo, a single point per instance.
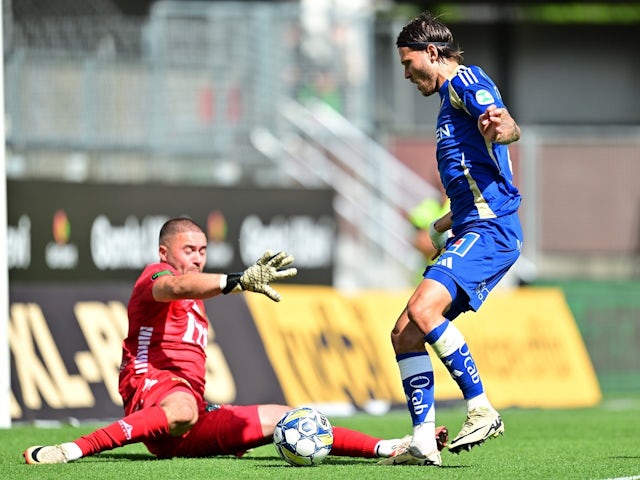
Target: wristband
pixel 230 282
pixel 439 239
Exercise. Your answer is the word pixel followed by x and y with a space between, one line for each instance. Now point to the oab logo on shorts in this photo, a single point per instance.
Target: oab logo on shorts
pixel 482 291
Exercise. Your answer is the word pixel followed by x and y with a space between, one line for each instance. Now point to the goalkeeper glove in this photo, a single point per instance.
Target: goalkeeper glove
pixel 439 239
pixel 257 277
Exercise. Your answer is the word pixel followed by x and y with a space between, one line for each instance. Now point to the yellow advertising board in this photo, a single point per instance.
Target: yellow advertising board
pixel 321 348
pixel 326 346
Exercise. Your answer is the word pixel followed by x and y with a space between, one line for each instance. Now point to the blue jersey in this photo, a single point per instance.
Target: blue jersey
pixel 476 174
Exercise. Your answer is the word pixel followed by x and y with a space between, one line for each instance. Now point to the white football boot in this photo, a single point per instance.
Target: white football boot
pixel 481 424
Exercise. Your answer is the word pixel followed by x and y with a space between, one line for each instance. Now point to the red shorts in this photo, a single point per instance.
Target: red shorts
pixel 225 430
pixel 154 387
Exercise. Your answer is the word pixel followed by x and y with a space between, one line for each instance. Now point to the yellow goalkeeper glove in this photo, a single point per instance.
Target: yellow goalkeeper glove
pixel 258 276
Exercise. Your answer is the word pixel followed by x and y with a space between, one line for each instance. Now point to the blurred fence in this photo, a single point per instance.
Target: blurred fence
pixel 184 100
pixel 193 79
pixel 183 95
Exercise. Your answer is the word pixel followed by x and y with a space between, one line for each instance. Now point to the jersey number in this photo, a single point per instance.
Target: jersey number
pixel 196 333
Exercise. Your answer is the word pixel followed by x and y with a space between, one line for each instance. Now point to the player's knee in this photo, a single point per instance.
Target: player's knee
pixel 184 417
pixel 424 315
pixel 406 340
pixel 182 414
pixel 269 415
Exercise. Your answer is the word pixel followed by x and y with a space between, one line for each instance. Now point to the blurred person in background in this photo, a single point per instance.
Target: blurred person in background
pixel 480 238
pixel 162 374
pixel 324 87
pixel 421 216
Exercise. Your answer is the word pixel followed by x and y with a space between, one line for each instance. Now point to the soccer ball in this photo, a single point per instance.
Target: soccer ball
pixel 303 437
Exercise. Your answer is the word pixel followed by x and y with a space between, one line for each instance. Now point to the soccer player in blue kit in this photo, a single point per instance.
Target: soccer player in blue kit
pixel 472 134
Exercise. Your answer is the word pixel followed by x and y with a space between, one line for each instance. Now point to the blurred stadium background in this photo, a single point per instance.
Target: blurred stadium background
pixel 309 95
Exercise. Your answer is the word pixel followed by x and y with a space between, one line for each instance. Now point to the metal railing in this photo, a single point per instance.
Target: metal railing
pixel 180 97
pixel 374 190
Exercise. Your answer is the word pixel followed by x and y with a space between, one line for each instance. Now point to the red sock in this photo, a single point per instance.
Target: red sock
pixel 147 423
pixel 351 443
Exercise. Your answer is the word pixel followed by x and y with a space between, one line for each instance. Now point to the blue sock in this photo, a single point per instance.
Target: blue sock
pixel 416 372
pixel 450 346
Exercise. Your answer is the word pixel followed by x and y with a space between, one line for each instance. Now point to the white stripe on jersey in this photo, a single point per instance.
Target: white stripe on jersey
pixel 467 76
pixel 489 146
pixel 484 210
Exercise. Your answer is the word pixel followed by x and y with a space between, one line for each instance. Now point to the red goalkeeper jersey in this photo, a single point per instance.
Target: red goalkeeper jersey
pixel 168 336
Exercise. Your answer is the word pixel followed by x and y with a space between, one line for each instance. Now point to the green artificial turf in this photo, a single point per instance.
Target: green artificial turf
pixel 592 443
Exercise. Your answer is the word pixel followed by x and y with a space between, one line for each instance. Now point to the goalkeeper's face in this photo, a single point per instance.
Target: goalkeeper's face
pixel 185 251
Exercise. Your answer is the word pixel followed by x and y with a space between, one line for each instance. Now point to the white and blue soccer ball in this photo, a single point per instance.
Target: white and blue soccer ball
pixel 303 437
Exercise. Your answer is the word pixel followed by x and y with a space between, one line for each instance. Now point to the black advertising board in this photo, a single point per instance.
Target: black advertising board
pixel 74 251
pixel 70 232
pixel 66 345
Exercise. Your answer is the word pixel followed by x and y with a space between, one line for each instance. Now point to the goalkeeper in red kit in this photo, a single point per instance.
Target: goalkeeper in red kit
pixel 162 375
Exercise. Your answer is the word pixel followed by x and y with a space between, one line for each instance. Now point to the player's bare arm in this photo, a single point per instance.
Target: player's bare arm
pixel 256 278
pixel 443 223
pixel 194 285
pixel 498 126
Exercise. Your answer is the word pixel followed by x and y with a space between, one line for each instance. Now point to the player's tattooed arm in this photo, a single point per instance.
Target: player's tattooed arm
pixel 498 126
pixel 512 133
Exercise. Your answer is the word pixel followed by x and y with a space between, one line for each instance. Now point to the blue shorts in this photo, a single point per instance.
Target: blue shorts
pixel 475 260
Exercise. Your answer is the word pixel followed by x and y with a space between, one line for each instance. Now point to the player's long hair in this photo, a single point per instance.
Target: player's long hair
pixel 427 28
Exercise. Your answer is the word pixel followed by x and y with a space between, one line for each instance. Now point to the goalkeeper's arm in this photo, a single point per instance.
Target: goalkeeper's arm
pixel 257 277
